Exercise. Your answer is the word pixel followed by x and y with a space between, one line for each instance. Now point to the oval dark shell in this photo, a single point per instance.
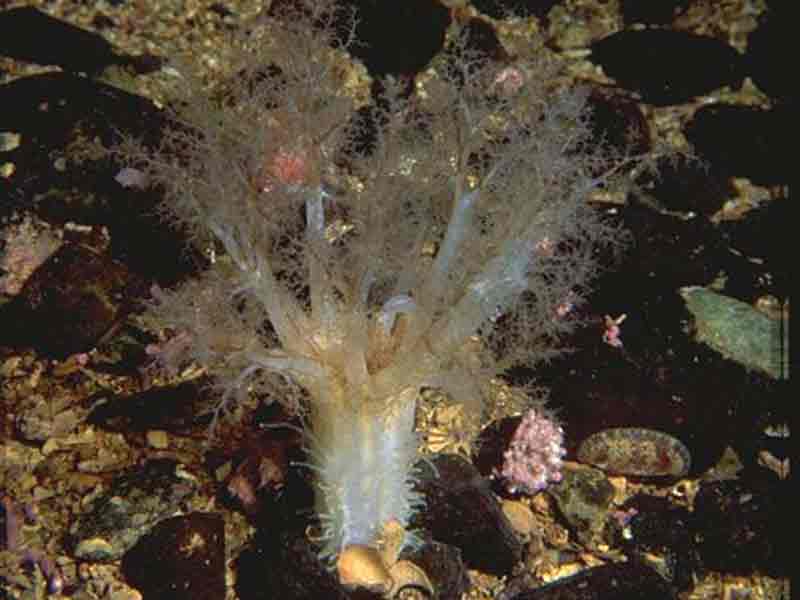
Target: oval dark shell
pixel 636 451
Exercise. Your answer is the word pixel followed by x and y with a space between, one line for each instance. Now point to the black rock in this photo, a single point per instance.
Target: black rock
pixel 70 303
pixel 398 38
pixel 28 34
pixel 174 408
pixel 54 113
pixel 666 531
pixel 763 238
pixel 682 184
pixel 185 553
pixel 619 122
pixel 742 528
pixel 461 511
pixel 624 581
pixel 284 564
pixel 444 567
pixel 668 67
pixel 745 141
pixel 768 49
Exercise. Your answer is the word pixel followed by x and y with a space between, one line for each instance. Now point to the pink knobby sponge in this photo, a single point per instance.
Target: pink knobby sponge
pixel 534 456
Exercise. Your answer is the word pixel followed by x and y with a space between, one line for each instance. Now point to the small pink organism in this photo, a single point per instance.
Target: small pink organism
pixel 130 177
pixel 509 81
pixel 545 247
pixel 289 167
pixel 284 167
pixel 623 517
pixel 534 456
pixel 611 335
pixel 566 307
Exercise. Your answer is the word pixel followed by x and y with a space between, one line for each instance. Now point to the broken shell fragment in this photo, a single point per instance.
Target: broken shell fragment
pixel 405 574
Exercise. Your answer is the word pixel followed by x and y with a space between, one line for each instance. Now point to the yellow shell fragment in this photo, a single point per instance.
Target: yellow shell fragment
pixel 362 566
pixel 378 569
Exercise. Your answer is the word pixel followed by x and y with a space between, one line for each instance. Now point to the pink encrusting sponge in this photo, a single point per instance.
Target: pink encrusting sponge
pixel 534 456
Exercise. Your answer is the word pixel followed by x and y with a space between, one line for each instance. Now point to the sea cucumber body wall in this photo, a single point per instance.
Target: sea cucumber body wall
pixel 364 463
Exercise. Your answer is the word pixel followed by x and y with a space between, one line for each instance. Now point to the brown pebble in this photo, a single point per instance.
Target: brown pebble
pixel 520 517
